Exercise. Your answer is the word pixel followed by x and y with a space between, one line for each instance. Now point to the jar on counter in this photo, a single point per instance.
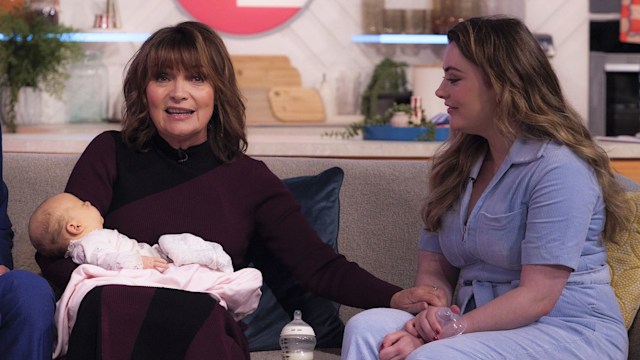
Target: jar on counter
pixel 49 9
pixel 87 90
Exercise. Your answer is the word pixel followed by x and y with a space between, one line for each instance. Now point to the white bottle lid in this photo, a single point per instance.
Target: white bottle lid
pixel 297 327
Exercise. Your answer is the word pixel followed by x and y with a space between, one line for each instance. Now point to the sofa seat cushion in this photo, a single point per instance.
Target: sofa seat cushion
pixel 624 261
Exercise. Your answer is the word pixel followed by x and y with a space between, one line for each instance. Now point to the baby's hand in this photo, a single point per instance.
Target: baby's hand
pixel 159 264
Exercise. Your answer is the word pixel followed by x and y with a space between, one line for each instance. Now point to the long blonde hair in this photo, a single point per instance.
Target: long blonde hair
pixel 530 105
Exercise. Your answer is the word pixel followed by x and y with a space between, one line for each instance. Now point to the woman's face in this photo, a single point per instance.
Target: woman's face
pixel 471 102
pixel 180 105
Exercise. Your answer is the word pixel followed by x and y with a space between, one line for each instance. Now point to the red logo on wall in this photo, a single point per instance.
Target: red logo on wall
pixel 243 17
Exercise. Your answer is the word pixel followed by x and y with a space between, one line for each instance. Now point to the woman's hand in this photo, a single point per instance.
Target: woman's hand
pixel 3 269
pixel 418 298
pixel 426 326
pixel 398 345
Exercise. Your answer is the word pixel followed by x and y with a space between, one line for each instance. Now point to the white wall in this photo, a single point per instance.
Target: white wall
pixel 318 41
pixel 568 22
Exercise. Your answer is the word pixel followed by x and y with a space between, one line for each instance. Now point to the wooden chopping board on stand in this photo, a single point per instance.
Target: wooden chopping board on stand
pixel 273 91
pixel 296 104
pixel 258 110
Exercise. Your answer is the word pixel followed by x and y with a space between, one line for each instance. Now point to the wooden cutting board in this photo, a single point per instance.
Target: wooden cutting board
pixel 258 110
pixel 296 104
pixel 265 72
pixel 260 60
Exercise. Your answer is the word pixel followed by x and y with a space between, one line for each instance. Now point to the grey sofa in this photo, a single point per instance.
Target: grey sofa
pixel 379 218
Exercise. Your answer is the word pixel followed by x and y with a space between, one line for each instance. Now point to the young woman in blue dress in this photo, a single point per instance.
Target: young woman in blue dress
pixel 521 201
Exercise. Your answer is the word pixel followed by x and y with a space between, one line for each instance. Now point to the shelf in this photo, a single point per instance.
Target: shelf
pixel 100 37
pixel 105 36
pixel 427 39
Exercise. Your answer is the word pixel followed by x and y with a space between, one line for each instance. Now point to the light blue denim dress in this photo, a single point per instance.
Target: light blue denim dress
pixel 544 206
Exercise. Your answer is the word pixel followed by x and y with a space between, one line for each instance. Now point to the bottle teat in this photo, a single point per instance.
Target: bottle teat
pixel 297 326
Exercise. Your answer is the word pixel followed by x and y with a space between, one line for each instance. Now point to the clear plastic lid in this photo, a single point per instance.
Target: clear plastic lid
pixel 297 326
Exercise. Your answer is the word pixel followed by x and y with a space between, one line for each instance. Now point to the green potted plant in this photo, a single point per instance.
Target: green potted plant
pixel 409 128
pixel 380 126
pixel 388 85
pixel 386 88
pixel 32 54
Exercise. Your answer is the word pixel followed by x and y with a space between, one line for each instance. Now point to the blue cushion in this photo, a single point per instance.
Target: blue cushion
pixel 318 196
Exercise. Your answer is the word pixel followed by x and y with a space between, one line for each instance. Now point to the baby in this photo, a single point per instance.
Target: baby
pixel 64 225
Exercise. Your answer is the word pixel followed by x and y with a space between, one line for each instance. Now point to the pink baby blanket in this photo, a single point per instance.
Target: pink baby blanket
pixel 239 291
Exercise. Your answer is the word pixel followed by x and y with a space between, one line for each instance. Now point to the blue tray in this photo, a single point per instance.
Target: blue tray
pixel 388 132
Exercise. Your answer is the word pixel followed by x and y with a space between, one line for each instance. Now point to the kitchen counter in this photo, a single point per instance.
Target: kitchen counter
pixel 307 140
pixel 297 141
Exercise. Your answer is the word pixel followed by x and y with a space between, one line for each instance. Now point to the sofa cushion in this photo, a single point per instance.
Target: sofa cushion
pixel 624 260
pixel 318 196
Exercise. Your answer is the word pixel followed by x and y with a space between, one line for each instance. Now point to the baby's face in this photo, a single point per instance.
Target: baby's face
pixel 81 211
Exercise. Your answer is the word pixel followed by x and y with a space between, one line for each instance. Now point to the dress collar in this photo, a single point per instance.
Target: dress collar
pixel 526 150
pixel 180 155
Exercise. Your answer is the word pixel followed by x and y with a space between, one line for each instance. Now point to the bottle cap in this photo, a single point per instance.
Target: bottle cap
pixel 297 326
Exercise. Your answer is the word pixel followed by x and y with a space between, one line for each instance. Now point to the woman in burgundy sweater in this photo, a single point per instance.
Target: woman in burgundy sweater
pixel 179 166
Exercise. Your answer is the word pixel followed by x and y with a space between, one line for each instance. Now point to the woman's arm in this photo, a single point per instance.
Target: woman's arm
pixel 435 282
pixel 434 269
pixel 539 290
pixel 90 176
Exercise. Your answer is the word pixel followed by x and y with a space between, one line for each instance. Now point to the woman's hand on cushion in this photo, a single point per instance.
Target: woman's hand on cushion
pixel 419 298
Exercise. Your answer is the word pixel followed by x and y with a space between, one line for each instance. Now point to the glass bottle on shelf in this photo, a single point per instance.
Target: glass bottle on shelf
pixel 87 90
pixel 490 7
pixel 466 9
pixel 428 17
pixel 444 15
pixel 49 9
pixel 414 16
pixel 393 19
pixel 372 16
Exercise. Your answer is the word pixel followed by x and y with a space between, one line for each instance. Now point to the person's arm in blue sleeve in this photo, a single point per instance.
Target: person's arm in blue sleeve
pixel 6 233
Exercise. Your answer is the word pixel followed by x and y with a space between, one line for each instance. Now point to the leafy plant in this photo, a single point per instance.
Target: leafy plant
pixel 389 77
pixel 32 54
pixel 355 128
pixel 405 108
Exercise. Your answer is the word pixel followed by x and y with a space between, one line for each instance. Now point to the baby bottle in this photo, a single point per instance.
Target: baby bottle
pixel 452 324
pixel 297 339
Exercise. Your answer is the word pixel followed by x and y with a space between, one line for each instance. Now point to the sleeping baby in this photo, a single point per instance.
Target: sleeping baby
pixel 64 225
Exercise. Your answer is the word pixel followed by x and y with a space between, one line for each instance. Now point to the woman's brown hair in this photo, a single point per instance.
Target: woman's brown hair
pixel 193 47
pixel 530 105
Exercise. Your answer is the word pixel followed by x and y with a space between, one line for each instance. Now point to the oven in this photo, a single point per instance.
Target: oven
pixel 614 93
pixel 614 74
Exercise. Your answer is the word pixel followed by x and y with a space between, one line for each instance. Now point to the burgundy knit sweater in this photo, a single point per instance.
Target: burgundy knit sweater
pixel 147 194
